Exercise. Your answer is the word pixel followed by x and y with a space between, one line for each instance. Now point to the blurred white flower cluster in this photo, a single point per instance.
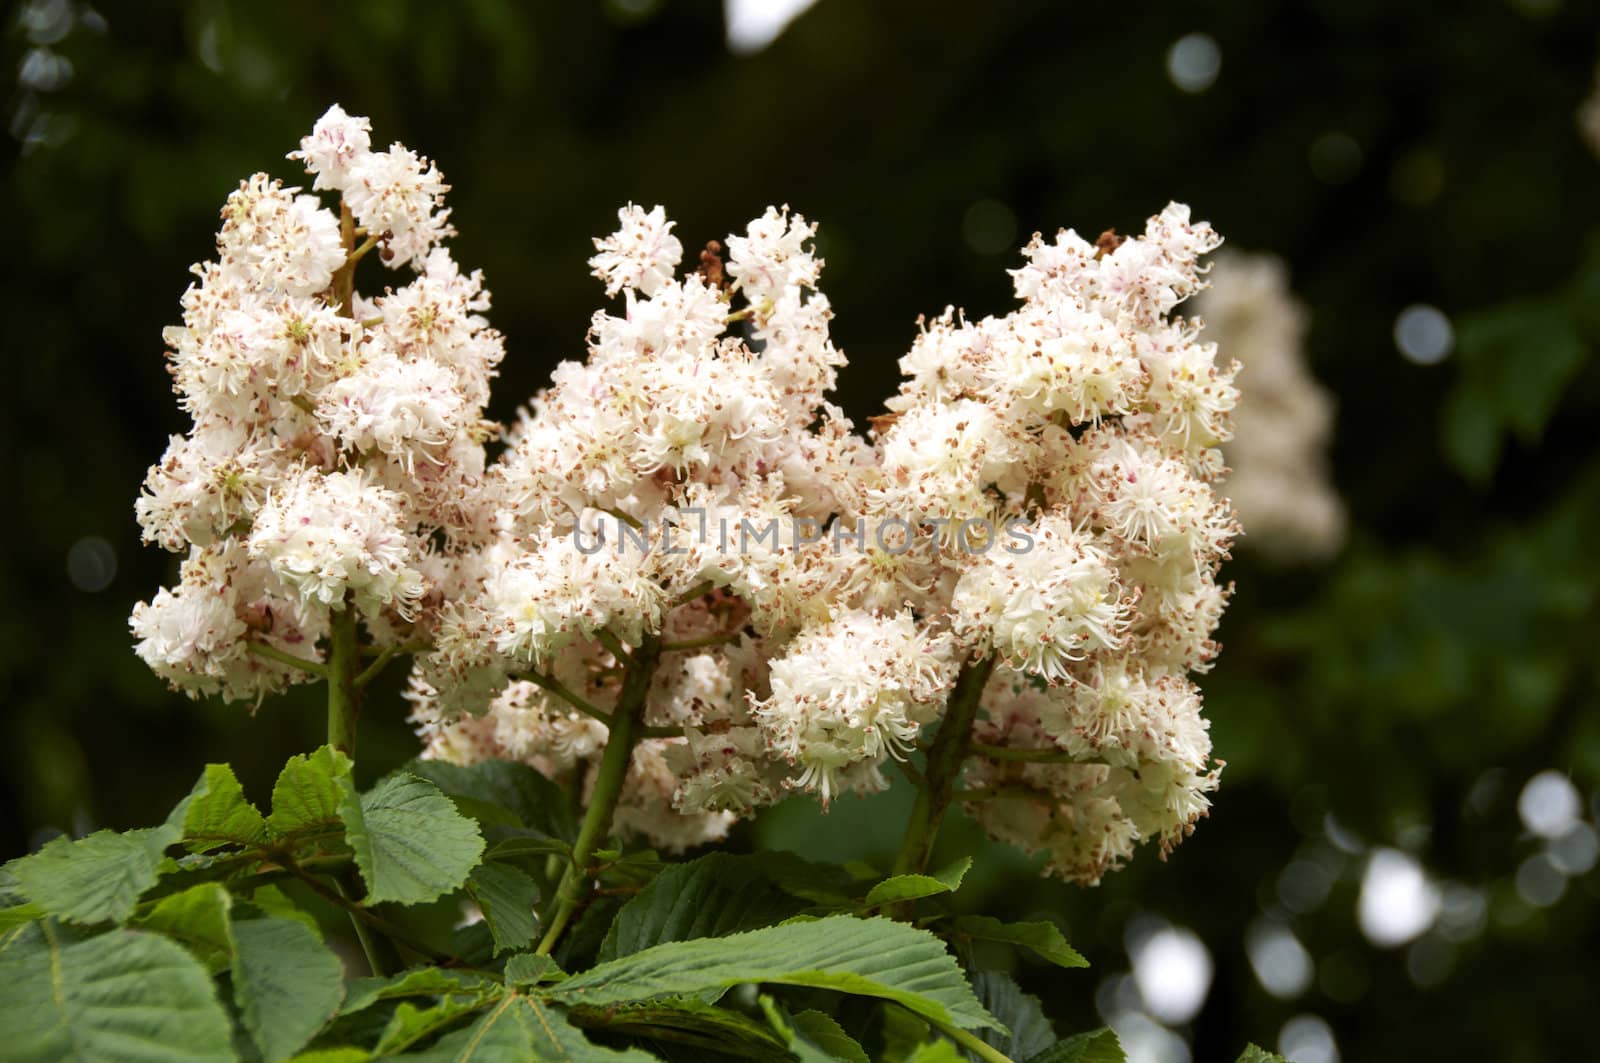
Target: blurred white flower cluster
pixel 823 587
pixel 1278 478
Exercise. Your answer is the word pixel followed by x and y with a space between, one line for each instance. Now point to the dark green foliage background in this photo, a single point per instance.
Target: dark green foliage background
pixel 1450 650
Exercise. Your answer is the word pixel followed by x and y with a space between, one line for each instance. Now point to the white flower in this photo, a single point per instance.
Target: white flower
pixel 568 588
pixel 772 257
pixel 336 142
pixel 399 195
pixel 331 534
pixel 276 241
pixel 858 688
pixel 194 635
pixel 1042 607
pixel 407 410
pixel 641 254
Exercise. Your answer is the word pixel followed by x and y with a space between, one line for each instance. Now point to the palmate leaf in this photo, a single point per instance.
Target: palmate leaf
pixel 521 1028
pixel 362 993
pixel 690 1022
pixel 199 919
pixel 308 791
pixel 1042 937
pixel 710 897
pixel 410 843
pixel 506 897
pixel 97 878
pixel 915 887
pixel 411 1024
pixel 1096 1046
pixel 126 995
pixel 540 804
pixel 868 957
pixel 813 1036
pixel 218 813
pixel 529 968
pixel 286 984
pixel 1021 1012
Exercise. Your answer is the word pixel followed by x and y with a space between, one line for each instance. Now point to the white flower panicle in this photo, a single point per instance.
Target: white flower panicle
pixel 336 457
pixel 1279 480
pixel 851 691
pixel 683 526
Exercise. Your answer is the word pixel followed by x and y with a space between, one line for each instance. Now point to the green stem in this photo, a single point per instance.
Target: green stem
pixel 272 653
pixel 971 1042
pixel 384 657
pixel 613 646
pixel 344 693
pixel 626 727
pixel 945 757
pixel 700 643
pixel 379 952
pixel 699 590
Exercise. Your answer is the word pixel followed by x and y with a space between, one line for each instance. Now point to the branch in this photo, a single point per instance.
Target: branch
pixel 625 732
pixel 386 655
pixel 722 639
pixel 613 646
pixel 699 590
pixel 565 693
pixel 272 653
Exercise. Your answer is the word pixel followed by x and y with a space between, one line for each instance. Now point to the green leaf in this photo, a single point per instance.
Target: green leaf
pixel 410 843
pixel 333 1055
pixel 710 897
pixel 689 1022
pixel 1042 937
pixel 525 845
pixel 218 814
pixel 1257 1054
pixel 1516 363
pixel 18 914
pixel 1021 1012
pixel 529 968
pixel 421 982
pixel 535 800
pixel 286 984
pixel 126 995
pixel 308 791
pixel 913 887
pixel 522 1028
pixel 198 917
pixel 940 1051
pixel 868 957
pixel 1096 1046
pixel 94 879
pixel 410 1024
pixel 823 1032
pixel 272 901
pixel 506 897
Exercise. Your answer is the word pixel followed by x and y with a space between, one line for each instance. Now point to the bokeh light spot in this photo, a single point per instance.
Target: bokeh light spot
pixel 1423 334
pixel 1549 804
pixel 1397 900
pixel 1194 61
pixel 91 564
pixel 1308 1039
